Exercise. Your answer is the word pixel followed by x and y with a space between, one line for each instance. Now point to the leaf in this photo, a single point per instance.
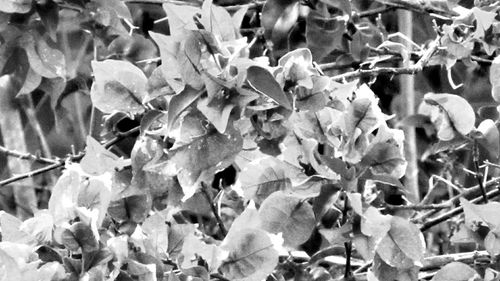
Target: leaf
pixel 10 229
pixel 118 245
pixel 218 21
pixel 134 208
pixel 176 236
pixel 15 6
pixel 158 85
pixel 119 85
pixel 495 78
pixel 33 80
pixel 40 226
pixel 328 194
pixel 278 18
pixel 9 267
pixel 261 80
pixel 84 237
pixel 382 271
pixel 216 112
pixel 157 230
pixel 374 223
pixel 364 114
pixel 145 272
pixel 49 14
pixel 403 246
pixel 455 271
pixel 262 177
pixel 492 243
pixel 44 59
pixel 490 139
pixel 64 196
pixel 181 19
pixel 324 31
pixel 179 103
pixel 448 113
pixel 188 58
pixel 119 7
pixel 288 214
pixel 385 158
pixel 170 69
pixel 485 214
pixel 199 160
pixel 251 255
pixel 194 247
pixel 98 160
pixel 95 194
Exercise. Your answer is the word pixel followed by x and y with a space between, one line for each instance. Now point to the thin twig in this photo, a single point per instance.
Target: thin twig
pixel 417 67
pixel 478 175
pixel 204 190
pixel 456 211
pixel 376 11
pixel 32 173
pixel 418 207
pixel 27 156
pixel 61 162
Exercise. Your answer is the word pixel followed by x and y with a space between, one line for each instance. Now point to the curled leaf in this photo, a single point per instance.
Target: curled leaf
pixel 449 113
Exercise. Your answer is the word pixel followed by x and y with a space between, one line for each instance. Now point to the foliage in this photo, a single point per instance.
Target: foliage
pixel 318 191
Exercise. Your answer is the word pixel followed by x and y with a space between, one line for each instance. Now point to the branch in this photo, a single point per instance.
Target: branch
pixel 61 162
pixel 417 67
pixel 204 190
pixel 438 261
pixel 376 11
pixel 418 207
pixel 422 6
pixel 27 156
pixel 458 210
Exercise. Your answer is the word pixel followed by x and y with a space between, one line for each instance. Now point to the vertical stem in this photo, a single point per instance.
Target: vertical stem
pixel 14 138
pixel 30 112
pixel 205 191
pixel 407 89
pixel 478 175
pixel 348 270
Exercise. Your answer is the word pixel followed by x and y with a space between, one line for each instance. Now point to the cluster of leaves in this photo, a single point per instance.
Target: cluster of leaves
pixel 315 159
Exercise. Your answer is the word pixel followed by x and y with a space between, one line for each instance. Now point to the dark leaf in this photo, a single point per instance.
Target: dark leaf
pixel 179 103
pixel 264 82
pixel 49 14
pixel 84 236
pixel 324 32
pixel 278 18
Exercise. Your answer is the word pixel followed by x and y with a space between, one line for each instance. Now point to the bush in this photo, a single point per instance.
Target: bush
pixel 237 140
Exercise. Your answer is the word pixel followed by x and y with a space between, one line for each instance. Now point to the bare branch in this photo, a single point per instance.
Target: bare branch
pixel 418 207
pixel 417 67
pixel 60 163
pixel 204 190
pixel 421 6
pixel 27 156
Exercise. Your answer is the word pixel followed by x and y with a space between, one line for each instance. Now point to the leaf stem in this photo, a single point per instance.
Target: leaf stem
pixel 204 190
pixel 348 250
